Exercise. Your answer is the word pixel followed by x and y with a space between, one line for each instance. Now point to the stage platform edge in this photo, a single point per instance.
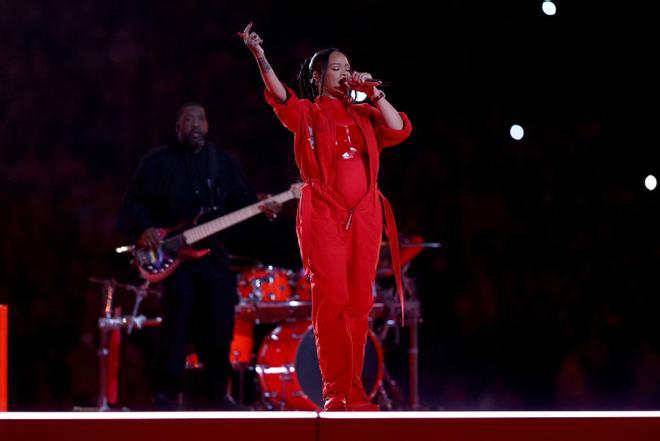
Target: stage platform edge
pixel 310 426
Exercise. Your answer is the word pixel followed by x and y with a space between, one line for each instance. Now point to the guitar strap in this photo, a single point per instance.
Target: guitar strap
pixel 210 180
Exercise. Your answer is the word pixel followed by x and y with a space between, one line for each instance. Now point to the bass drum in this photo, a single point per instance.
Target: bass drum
pixel 288 368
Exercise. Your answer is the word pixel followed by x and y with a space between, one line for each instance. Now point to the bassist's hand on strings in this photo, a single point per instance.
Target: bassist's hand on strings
pixel 270 208
pixel 150 238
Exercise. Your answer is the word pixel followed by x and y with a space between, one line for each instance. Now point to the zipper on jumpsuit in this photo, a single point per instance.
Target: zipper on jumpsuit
pixel 351 210
pixel 349 222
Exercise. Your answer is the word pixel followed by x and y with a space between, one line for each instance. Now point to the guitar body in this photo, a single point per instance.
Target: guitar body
pixel 157 265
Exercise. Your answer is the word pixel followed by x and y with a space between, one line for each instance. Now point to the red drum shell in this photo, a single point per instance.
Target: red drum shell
pixel 267 284
pixel 288 370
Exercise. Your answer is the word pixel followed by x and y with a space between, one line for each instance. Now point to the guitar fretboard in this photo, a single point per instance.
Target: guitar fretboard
pixel 205 230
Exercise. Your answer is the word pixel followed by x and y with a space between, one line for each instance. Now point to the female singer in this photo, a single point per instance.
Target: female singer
pixel 340 215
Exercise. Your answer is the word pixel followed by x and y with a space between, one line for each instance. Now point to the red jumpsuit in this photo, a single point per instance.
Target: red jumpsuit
pixel 339 228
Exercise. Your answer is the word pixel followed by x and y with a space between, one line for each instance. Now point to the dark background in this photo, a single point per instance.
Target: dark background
pixel 545 292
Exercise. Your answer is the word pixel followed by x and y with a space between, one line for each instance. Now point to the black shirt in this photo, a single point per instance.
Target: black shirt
pixel 173 184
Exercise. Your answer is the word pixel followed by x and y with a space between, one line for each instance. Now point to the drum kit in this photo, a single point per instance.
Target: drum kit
pixel 284 361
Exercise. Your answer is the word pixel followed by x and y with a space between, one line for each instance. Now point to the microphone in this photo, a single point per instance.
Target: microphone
pixel 377 82
pixel 370 81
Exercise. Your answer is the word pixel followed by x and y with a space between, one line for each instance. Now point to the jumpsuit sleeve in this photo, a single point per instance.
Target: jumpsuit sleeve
pixel 289 112
pixel 386 136
pixel 144 190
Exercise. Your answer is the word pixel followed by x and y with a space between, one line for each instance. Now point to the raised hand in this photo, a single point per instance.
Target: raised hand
pixel 252 40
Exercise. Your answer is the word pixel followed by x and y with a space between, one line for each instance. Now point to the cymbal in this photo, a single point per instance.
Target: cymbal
pixel 414 244
pixel 124 286
pixel 409 250
pixel 241 263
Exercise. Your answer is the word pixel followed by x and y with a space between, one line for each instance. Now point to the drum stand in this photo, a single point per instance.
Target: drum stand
pixel 412 319
pixel 112 322
pixel 386 402
pixel 240 368
pixel 413 315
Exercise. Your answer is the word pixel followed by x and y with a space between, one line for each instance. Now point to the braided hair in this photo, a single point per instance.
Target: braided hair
pixel 316 63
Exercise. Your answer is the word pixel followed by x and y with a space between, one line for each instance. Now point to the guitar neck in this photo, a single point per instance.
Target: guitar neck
pixel 207 229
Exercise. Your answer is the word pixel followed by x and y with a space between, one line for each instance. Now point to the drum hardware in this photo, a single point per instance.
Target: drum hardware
pixel 389 324
pixel 110 325
pixel 409 246
pixel 241 263
pixel 241 354
pixel 384 400
pixel 412 314
pixel 241 383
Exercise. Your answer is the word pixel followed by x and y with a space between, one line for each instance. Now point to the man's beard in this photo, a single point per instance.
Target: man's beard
pixel 195 142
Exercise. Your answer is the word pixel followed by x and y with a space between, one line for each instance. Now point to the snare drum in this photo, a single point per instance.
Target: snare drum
pixel 288 368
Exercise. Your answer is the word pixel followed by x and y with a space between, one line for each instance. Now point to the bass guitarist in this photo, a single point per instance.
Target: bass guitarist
pixel 174 183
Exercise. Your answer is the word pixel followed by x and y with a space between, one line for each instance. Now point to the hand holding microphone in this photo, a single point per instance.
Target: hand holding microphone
pixel 363 82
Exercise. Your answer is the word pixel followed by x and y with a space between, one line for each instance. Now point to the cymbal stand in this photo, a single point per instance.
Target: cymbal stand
pixel 413 318
pixel 112 321
pixel 105 327
pixel 140 294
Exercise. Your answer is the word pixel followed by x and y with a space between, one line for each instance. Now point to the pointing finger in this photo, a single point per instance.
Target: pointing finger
pixel 248 27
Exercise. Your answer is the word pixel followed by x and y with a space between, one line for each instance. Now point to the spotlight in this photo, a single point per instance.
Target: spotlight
pixel 549 8
pixel 650 182
pixel 517 132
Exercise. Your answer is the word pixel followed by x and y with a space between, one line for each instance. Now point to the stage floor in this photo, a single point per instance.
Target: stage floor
pixel 340 426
